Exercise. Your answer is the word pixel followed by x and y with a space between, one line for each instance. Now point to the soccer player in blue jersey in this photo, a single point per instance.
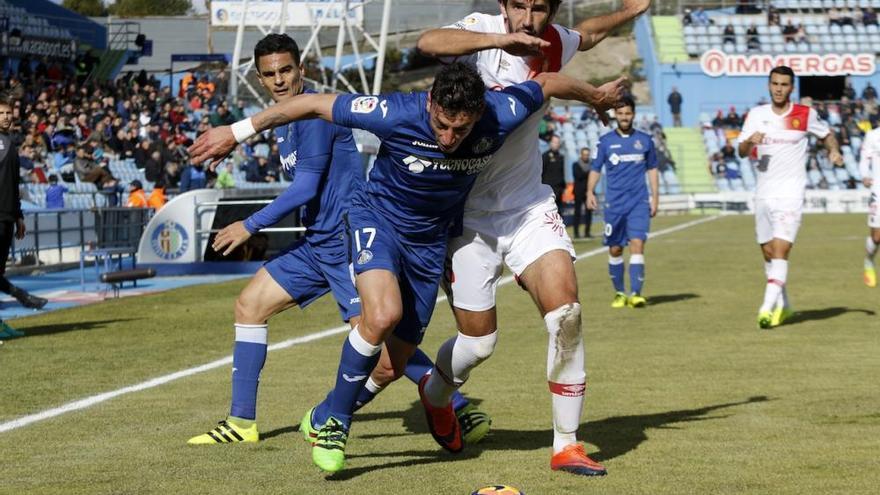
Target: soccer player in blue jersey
pixel 433 146
pixel 325 165
pixel 626 154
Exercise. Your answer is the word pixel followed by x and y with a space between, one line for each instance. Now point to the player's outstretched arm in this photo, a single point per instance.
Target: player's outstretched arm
pixel 218 142
pixel 603 98
pixel 595 29
pixel 452 42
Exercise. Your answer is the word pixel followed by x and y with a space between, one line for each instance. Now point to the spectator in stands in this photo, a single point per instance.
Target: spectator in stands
pixel 733 120
pixel 834 17
pixel 728 152
pixel 142 153
pixel 171 177
pixel 258 170
pixel 55 193
pixel 718 121
pixel 801 35
pixel 846 17
pixel 687 18
pixel 848 90
pixel 89 171
pixel 225 178
pixel 553 173
pixel 221 116
pixel 580 171
pixel 789 31
pixel 772 16
pixel 137 198
pixel 153 167
pixel 729 35
pixel 869 17
pixel 157 197
pixel 869 93
pixel 675 100
pixel 857 16
pixel 700 17
pixel 753 40
pixel 193 177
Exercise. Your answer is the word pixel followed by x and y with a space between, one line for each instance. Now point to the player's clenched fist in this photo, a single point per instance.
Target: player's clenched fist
pixel 756 138
pixel 213 145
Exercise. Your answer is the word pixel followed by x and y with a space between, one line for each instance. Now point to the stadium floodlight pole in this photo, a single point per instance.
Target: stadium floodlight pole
pixel 282 26
pixel 383 41
pixel 236 54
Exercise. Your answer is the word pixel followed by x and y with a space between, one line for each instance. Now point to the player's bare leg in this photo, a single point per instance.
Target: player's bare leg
pixel 871 243
pixel 552 283
pixel 776 253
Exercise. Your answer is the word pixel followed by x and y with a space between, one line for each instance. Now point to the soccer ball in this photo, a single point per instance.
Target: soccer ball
pixel 498 490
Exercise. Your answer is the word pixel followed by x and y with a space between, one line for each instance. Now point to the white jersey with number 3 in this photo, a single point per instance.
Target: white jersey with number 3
pixel 869 161
pixel 513 177
pixel 782 155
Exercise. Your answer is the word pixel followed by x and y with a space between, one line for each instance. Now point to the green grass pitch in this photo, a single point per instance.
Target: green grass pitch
pixel 684 396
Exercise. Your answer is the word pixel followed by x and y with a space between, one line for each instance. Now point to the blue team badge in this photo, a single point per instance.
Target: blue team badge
pixel 364 257
pixel 483 145
pixel 169 241
pixel 614 159
pixel 638 145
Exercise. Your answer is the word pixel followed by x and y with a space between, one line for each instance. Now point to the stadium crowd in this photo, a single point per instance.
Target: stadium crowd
pixel 70 131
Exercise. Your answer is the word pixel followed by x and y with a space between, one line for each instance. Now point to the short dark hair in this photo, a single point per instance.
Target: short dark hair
pixel 554 5
pixel 457 88
pixel 7 100
pixel 784 70
pixel 276 43
pixel 627 101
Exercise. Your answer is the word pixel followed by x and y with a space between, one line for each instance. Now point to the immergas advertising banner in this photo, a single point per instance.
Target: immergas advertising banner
pixel 716 63
pixel 300 13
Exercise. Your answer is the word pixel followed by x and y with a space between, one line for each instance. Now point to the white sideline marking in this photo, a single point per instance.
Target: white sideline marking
pixel 162 380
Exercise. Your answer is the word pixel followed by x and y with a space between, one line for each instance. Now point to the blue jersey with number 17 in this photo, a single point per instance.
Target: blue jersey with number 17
pixel 412 184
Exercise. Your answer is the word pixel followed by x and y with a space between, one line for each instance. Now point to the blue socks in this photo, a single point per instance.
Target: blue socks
pixel 636 272
pixel 615 270
pixel 359 357
pixel 248 358
pixel 417 366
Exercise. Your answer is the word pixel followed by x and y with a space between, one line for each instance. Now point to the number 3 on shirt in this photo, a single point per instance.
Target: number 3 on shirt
pixel 369 233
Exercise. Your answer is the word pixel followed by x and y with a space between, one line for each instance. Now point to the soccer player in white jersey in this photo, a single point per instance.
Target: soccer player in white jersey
pixel 777 135
pixel 869 168
pixel 511 218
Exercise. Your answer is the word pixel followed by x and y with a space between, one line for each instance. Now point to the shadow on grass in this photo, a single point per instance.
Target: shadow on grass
pixel 670 298
pixel 614 436
pixel 38 330
pixel 278 432
pixel 824 314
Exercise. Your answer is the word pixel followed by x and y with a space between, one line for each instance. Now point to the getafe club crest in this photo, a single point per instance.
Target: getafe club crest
pixel 483 145
pixel 169 241
pixel 638 145
pixel 364 257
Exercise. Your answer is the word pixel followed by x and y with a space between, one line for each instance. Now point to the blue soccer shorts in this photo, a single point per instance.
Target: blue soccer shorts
pixel 376 244
pixel 633 223
pixel 307 275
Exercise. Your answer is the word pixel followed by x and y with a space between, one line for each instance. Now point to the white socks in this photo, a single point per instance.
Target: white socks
pixel 455 360
pixel 776 276
pixel 870 251
pixel 565 372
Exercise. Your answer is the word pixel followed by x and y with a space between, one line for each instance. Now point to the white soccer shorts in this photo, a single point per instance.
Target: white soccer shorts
pixel 874 211
pixel 778 218
pixel 491 239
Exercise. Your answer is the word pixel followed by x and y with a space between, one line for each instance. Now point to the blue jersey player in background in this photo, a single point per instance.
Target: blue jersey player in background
pixel 626 154
pixel 325 165
pixel 433 147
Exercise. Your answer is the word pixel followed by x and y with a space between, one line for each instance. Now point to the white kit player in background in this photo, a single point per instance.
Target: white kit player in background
pixel 511 217
pixel 869 169
pixel 777 136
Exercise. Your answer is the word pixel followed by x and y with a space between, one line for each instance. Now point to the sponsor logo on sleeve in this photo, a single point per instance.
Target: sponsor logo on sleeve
pixel 364 104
